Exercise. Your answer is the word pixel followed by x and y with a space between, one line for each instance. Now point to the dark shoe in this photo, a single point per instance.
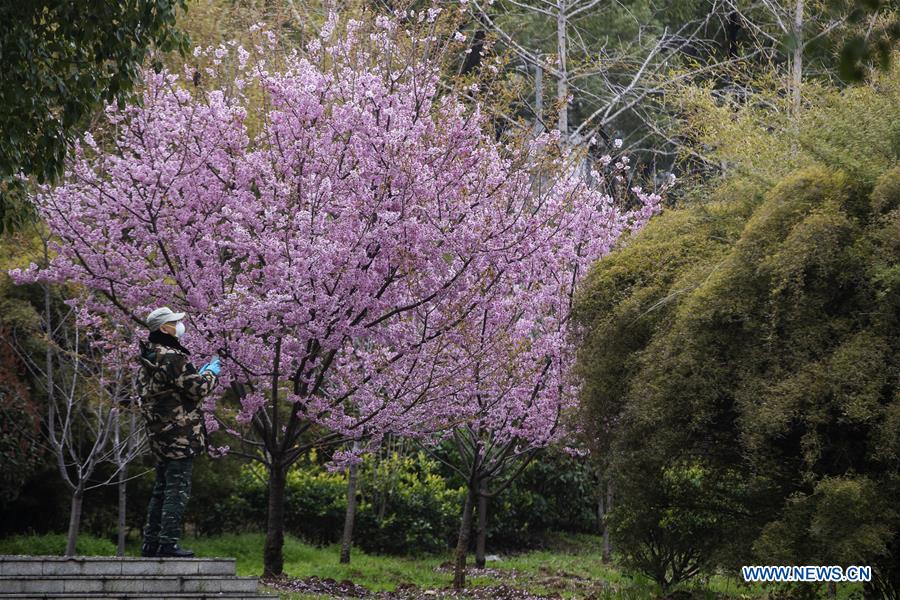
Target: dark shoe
pixel 173 551
pixel 149 549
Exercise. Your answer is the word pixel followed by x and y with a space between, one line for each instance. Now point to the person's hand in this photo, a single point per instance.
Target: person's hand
pixel 212 366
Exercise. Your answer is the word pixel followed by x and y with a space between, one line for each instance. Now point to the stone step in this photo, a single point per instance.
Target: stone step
pixel 113 565
pixel 131 584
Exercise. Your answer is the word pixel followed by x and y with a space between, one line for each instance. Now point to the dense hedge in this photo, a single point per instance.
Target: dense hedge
pixel 405 505
pixel 740 359
pixel 419 515
pixel 554 493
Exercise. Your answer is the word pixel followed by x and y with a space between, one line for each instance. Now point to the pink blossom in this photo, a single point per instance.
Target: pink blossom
pixel 370 255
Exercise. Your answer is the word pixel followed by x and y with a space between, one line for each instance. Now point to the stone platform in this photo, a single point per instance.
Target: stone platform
pixel 127 578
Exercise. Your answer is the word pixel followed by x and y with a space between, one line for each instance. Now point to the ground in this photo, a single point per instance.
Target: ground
pixel 570 567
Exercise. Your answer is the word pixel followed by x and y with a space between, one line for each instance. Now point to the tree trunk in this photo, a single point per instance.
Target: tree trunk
pixel 273 555
pixel 74 519
pixel 538 98
pixel 601 520
pixel 607 544
pixel 462 543
pixel 350 515
pixel 122 486
pixel 382 505
pixel 473 58
pixel 732 31
pixel 797 63
pixel 562 84
pixel 482 525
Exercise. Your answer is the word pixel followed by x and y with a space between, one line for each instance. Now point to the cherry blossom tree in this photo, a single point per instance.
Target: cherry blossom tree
pixel 516 384
pixel 327 219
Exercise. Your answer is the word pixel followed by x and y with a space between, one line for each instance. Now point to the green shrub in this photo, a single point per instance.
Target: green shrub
pixel 746 398
pixel 213 480
pixel 315 503
pixel 228 496
pixel 555 493
pixel 420 514
pixel 242 508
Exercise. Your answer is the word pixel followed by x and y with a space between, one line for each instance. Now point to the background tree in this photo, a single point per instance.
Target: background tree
pixel 797 31
pixel 605 59
pixel 63 61
pixel 128 441
pixel 21 421
pixel 613 66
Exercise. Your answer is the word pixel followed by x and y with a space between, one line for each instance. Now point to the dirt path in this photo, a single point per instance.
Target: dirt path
pixel 510 585
pixel 347 589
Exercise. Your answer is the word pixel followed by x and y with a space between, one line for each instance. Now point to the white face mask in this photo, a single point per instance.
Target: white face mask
pixel 179 330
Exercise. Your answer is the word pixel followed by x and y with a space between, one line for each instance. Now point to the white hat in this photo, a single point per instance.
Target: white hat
pixel 162 315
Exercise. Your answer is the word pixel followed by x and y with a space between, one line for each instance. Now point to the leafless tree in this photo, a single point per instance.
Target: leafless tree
pixel 84 397
pixel 799 22
pixel 128 442
pixel 584 66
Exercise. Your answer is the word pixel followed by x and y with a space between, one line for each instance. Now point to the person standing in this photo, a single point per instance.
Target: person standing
pixel 171 390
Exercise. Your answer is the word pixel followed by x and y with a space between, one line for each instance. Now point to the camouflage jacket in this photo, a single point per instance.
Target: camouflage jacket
pixel 171 392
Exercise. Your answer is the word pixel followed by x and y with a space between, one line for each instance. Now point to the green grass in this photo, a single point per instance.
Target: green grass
pixel 302 560
pixel 55 544
pixel 572 567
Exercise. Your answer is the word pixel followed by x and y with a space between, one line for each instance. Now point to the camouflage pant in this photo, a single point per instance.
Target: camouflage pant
pixel 168 500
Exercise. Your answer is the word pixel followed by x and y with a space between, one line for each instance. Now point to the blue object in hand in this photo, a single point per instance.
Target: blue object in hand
pixel 212 366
